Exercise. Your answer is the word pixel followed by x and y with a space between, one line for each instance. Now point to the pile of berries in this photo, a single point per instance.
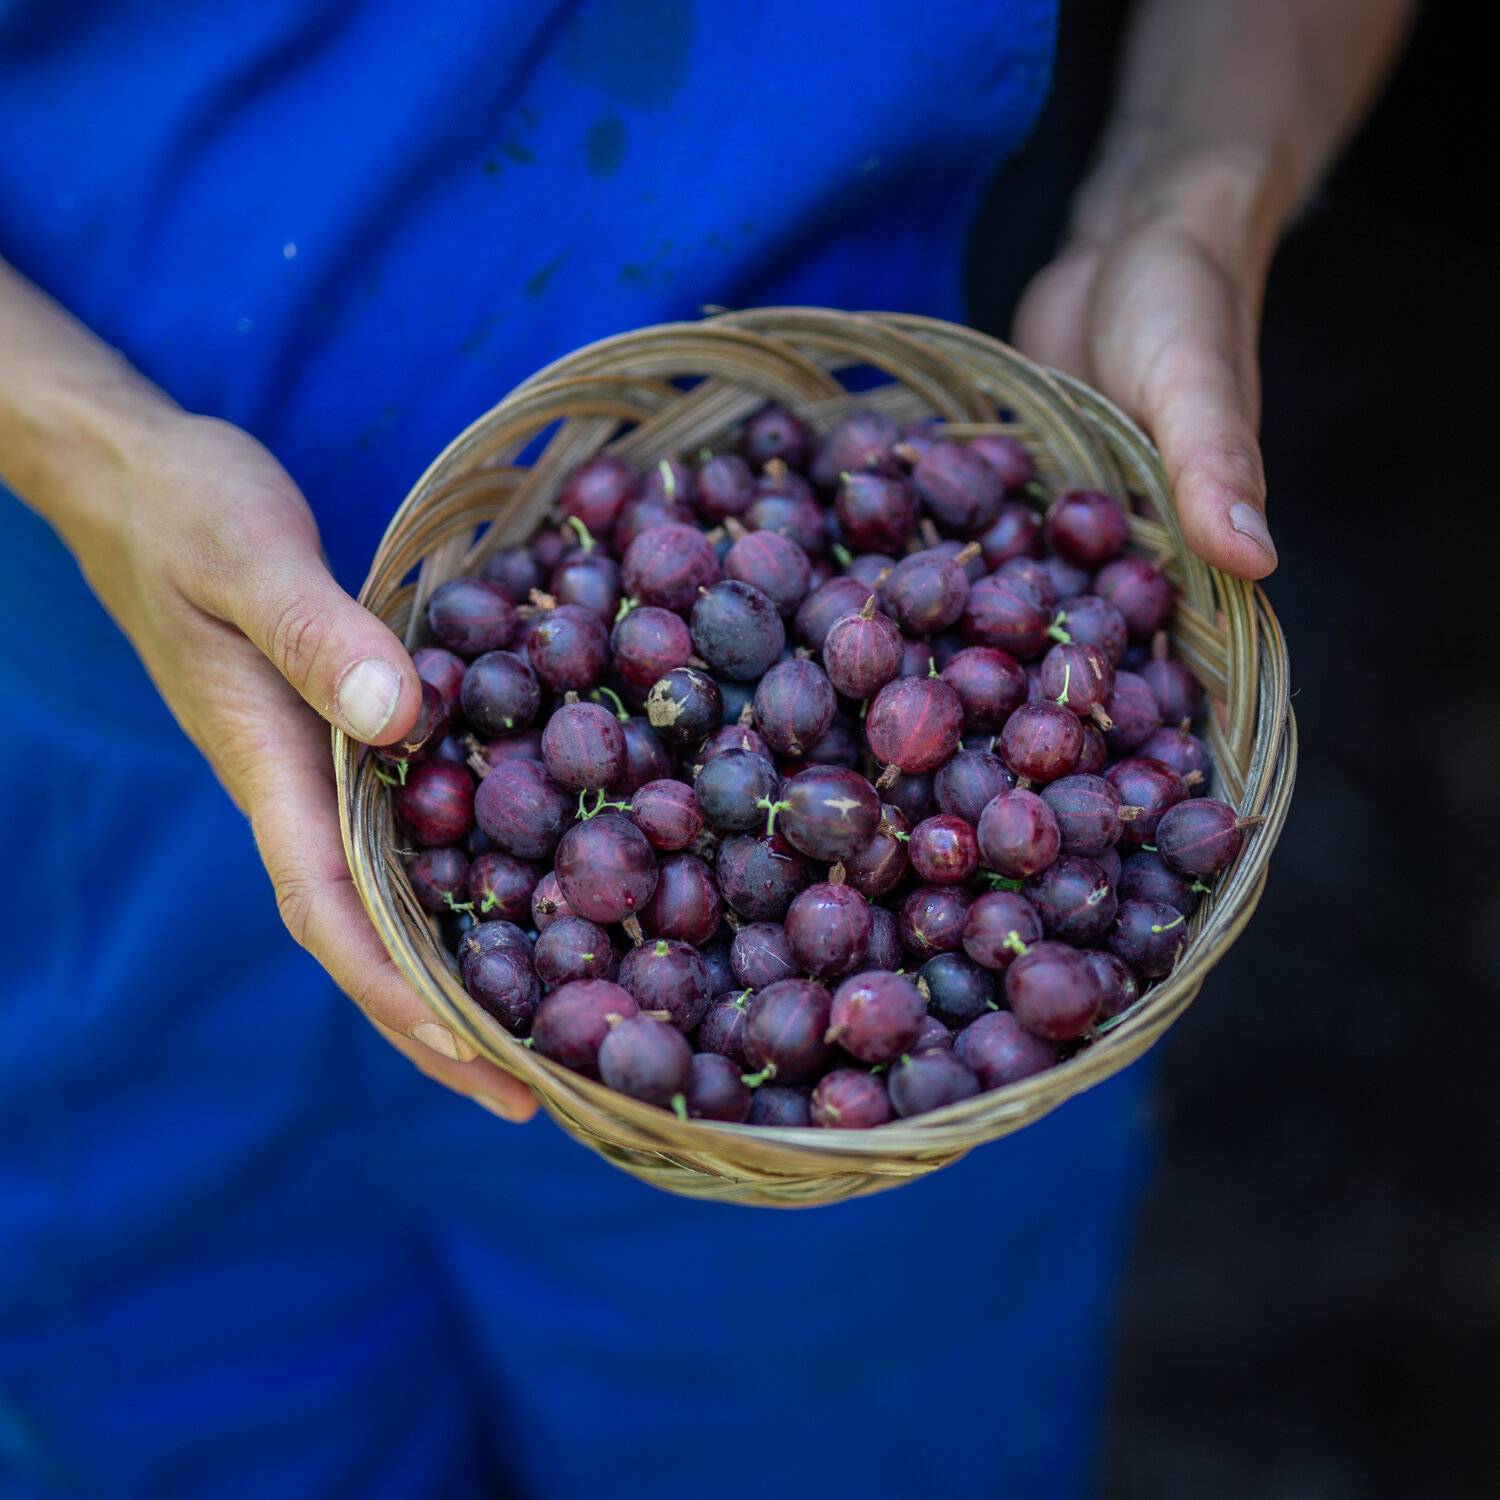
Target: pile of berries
pixel 812 784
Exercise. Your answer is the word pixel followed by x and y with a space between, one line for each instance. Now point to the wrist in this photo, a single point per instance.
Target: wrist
pixel 1231 198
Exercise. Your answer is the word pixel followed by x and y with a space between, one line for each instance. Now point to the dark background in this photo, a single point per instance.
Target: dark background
pixel 1312 1311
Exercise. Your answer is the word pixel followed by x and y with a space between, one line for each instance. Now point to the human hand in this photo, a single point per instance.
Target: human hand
pixel 204 551
pixel 1155 300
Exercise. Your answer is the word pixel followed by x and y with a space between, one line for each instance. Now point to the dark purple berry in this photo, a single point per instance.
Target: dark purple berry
pixel 759 876
pixel 667 565
pixel 504 982
pixel 1132 712
pixel 669 979
pixel 828 928
pixel 957 989
pixel 772 1104
pixel 1008 613
pixel 773 432
pixel 573 1020
pixel 990 685
pixel 445 672
pixel 597 491
pixel 1016 531
pixel 583 747
pixel 1151 785
pixel 932 920
pixel 500 694
pixel 1087 809
pixel 666 812
pixel 1018 834
pixel 1199 838
pixel 1146 876
pixel 877 513
pixel 775 565
pixel 928 1081
pixel 1042 741
pixel 760 955
pixel 784 1027
pixel 862 652
pixel 438 878
pixel 1185 753
pixel 876 1016
pixel 606 868
pixel 794 705
pixel 914 723
pixel 436 805
pixel 1053 991
pixel 999 926
pixel 684 706
pixel 500 886
pixel 967 783
pixel 878 868
pixel 574 948
pixel 1086 527
pixel 850 1099
pixel 828 812
pixel 1149 936
pixel 1007 456
pixel 650 1062
pixel 725 487
pixel 1074 900
pixel 959 488
pixel 826 603
pixel 1141 594
pixel 722 1028
pixel 522 810
pixel 943 850
pixel 686 903
pixel 471 616
pixel 1121 989
pixel 716 1090
pixel 1000 1050
pixel 864 441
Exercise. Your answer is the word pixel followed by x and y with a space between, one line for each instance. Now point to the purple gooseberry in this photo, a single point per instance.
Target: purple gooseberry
pixel 999 926
pixel 606 868
pixel 436 805
pixel 1149 936
pixel 932 919
pixel 1053 991
pixel 928 1081
pixel 850 1099
pixel 573 1020
pixel 862 652
pixel 686 904
pixel 828 927
pixel 1018 834
pixel 876 1016
pixel 1200 837
pixel 1042 741
pixel 914 723
pixel 648 1061
pixel 471 616
pixel 716 1091
pixel 1141 594
pixel 1000 1050
pixel 667 564
pixel 573 948
pixel 784 1027
pixel 943 850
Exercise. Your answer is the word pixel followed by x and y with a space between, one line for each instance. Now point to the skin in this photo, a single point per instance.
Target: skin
pixel 205 553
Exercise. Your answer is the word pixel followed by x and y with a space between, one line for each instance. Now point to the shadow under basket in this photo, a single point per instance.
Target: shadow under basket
pixel 677 388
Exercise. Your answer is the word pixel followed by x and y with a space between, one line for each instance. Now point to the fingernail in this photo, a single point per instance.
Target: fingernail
pixel 437 1036
pixel 1249 522
pixel 367 696
pixel 497 1106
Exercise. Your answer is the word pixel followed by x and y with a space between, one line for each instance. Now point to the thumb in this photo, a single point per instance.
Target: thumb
pixel 1200 417
pixel 343 660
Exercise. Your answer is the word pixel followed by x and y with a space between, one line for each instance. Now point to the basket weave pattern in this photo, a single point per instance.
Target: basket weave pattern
pixel 626 395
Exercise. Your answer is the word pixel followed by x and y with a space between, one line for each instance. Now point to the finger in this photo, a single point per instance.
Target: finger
pixel 490 1087
pixel 343 660
pixel 1174 345
pixel 1050 322
pixel 1200 418
pixel 291 795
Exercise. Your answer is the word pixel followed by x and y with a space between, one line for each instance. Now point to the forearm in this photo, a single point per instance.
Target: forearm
pixel 69 404
pixel 1229 112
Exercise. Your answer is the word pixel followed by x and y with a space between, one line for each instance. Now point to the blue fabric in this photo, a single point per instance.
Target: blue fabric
pixel 244 1249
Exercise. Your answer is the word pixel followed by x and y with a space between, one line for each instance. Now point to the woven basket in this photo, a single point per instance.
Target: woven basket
pixel 674 389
